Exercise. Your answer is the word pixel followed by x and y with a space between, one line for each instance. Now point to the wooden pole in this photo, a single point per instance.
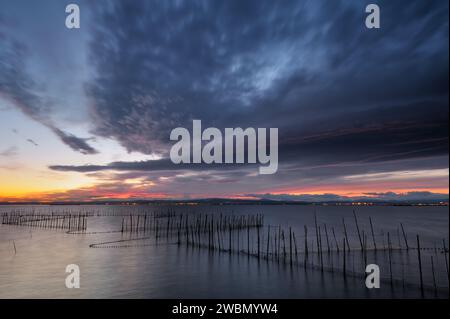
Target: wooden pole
pixel 373 234
pixel 345 234
pixel 390 257
pixel 306 240
pixel 317 233
pixel 446 260
pixel 290 245
pixel 335 240
pixel 328 242
pixel 320 251
pixel 404 236
pixel 343 263
pixel 248 239
pixel 257 230
pixel 306 247
pixel 434 276
pixel 420 264
pixel 295 245
pixel 357 229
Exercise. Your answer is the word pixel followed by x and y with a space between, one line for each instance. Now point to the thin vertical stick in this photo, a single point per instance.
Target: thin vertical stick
pixel 276 245
pixel 229 236
pixel 317 240
pixel 405 237
pixel 279 243
pixel 365 247
pixel 335 240
pixel 295 245
pixel 306 240
pixel 320 251
pixel 306 246
pixel 420 264
pixel 290 245
pixel 257 229
pixel 343 256
pixel 446 260
pixel 373 234
pixel 326 235
pixel 248 239
pixel 434 276
pixel 131 222
pixel 238 237
pixel 390 257
pixel 345 234
pixel 357 229
pixel 317 233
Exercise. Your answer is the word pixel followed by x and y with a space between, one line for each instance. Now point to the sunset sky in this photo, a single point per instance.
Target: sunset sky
pixel 86 114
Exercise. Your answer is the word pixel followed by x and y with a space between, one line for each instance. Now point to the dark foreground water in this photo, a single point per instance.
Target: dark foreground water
pixel 138 265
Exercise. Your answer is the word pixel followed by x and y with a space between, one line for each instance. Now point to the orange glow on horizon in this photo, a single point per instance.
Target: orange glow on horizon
pixel 94 193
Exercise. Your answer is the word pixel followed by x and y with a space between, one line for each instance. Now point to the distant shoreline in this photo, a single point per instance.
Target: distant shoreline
pixel 230 202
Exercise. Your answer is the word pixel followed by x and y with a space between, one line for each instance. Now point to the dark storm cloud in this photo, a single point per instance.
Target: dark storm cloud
pixel 337 91
pixel 416 130
pixel 17 86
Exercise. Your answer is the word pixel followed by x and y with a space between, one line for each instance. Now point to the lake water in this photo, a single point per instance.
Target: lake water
pixel 116 264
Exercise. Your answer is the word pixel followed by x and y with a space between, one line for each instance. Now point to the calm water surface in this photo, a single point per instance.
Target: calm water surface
pixel 147 268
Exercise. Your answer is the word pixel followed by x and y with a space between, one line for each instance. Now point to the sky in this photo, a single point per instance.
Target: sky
pixel 86 114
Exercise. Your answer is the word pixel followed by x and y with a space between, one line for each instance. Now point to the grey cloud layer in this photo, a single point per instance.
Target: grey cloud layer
pixel 18 86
